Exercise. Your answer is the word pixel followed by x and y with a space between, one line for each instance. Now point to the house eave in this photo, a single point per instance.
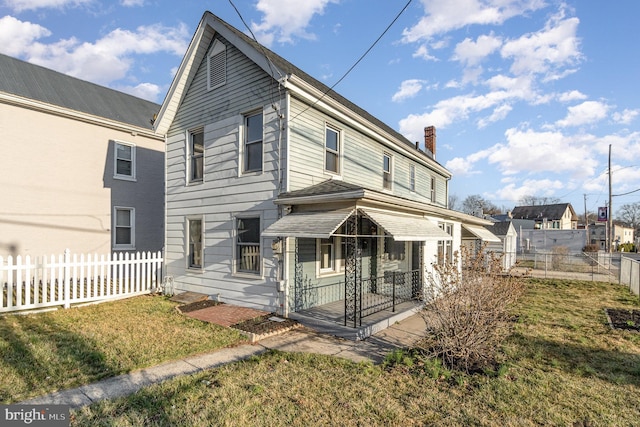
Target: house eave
pixel 44 107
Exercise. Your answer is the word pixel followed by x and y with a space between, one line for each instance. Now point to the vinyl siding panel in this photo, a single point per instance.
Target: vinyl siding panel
pixel 225 192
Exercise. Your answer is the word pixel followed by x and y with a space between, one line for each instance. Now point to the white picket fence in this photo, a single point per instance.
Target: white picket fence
pixel 34 283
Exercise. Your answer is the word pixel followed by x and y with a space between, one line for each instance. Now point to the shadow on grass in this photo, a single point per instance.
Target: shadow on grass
pixel 617 367
pixel 39 355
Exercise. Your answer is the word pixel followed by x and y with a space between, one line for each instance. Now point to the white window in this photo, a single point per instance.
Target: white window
pixel 433 189
pixel 387 176
pixel 195 155
pixel 412 178
pixel 194 246
pixel 123 228
pixel 330 255
pixel 248 258
pixel 445 247
pixel 217 65
pixel 125 161
pixel 253 142
pixel 332 150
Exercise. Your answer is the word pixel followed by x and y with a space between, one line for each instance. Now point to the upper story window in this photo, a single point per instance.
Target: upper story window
pixel 332 150
pixel 387 171
pixel 196 156
pixel 445 247
pixel 412 178
pixel 217 65
pixel 433 189
pixel 125 161
pixel 253 142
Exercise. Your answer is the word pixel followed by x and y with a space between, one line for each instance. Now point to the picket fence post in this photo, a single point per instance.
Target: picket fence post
pixel 67 278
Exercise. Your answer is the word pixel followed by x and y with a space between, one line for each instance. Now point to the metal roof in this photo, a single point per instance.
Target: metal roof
pixel 38 83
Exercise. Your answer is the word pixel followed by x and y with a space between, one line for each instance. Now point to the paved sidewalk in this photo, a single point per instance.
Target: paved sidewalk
pixel 402 334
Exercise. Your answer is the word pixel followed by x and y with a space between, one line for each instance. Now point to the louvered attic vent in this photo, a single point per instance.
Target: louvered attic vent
pixel 217 65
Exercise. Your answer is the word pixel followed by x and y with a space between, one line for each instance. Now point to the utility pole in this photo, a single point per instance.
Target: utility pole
pixel 609 220
pixel 586 223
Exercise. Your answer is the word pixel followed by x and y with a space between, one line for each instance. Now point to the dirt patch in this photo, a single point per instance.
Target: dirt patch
pixel 267 324
pixel 198 305
pixel 628 320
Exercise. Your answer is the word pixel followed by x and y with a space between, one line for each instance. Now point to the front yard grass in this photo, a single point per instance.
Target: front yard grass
pixel 45 352
pixel 562 365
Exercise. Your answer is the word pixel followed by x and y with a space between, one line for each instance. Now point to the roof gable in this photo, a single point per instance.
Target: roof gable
pixel 278 68
pixel 550 212
pixel 33 82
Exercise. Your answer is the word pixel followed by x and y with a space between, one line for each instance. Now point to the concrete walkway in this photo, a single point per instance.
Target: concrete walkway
pixel 399 335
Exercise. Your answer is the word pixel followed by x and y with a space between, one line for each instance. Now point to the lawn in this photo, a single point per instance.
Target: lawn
pixel 562 365
pixel 45 352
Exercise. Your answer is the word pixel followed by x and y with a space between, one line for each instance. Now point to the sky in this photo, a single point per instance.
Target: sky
pixel 527 96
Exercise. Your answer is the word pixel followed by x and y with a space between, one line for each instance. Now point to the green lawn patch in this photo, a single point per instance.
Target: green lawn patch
pixel 562 365
pixel 45 352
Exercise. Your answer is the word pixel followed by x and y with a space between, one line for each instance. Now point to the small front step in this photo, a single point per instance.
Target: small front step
pixel 189 297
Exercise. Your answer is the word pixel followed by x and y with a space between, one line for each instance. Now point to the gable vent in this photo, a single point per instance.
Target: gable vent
pixel 217 66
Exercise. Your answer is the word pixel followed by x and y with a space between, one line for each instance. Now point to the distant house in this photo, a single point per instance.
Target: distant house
pixel 621 235
pixel 283 195
pixel 559 216
pixel 82 167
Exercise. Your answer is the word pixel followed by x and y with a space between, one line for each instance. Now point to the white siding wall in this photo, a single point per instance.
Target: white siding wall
pixel 361 157
pixel 224 192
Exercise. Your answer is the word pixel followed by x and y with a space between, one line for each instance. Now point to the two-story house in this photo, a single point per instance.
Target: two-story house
pixel 82 168
pixel 560 216
pixel 283 195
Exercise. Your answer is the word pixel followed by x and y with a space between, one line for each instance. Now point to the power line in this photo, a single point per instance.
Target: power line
pixel 358 61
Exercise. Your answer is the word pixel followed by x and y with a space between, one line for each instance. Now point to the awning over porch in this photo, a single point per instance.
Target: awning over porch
pixel 481 233
pixel 314 224
pixel 406 228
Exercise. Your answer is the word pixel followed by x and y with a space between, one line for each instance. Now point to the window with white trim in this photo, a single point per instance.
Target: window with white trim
pixel 412 178
pixel 125 161
pixel 248 257
pixel 330 255
pixel 332 150
pixel 433 189
pixel 217 65
pixel 252 147
pixel 195 248
pixel 123 228
pixel 445 247
pixel 387 176
pixel 195 153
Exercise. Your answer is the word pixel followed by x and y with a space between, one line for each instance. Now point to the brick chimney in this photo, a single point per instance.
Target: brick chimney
pixel 430 139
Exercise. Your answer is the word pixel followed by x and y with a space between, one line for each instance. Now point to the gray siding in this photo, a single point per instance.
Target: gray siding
pixel 361 158
pixel 224 192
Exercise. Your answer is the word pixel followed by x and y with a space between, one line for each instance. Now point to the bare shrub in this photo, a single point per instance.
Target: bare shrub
pixel 467 310
pixel 559 256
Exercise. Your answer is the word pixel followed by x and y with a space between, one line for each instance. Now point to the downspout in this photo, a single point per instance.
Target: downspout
pixel 286 242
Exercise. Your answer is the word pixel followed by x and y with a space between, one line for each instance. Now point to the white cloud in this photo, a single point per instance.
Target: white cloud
pixel 546 51
pixel 284 19
pixel 17 36
pixel 132 3
pixel 460 166
pixel 147 91
pixel 408 89
pixel 423 52
pixel 107 60
pixel 539 187
pixel 626 116
pixel 472 52
pixel 444 16
pixel 529 151
pixel 499 113
pixel 22 5
pixel 574 95
pixel 589 112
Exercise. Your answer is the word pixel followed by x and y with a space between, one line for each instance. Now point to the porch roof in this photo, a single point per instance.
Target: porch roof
pixel 481 233
pixel 314 224
pixel 405 227
pixel 324 224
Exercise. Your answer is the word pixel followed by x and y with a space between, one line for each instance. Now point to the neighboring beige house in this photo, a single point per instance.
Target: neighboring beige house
pixel 560 216
pixel 81 166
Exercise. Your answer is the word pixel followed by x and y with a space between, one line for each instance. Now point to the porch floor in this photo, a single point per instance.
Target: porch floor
pixel 329 319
